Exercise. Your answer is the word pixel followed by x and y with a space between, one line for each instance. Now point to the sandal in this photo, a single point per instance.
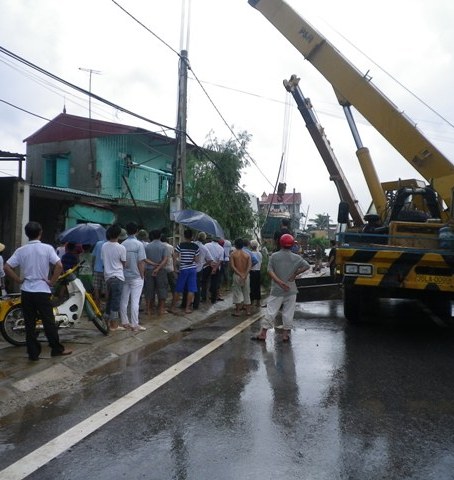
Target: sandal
pixel 258 338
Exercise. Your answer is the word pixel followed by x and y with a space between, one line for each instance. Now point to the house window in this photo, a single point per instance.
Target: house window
pixel 56 173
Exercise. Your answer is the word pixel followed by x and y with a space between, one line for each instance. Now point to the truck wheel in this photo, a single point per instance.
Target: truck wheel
pixel 352 305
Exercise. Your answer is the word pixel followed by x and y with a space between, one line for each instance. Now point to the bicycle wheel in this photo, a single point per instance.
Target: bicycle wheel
pixel 100 323
pixel 13 327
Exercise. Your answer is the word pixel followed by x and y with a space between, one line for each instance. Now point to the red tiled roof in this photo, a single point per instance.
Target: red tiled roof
pixel 71 127
pixel 287 198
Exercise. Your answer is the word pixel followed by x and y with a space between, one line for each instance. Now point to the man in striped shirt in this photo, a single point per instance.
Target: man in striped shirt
pixel 186 254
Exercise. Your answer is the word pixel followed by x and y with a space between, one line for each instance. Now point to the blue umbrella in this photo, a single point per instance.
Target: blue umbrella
pixel 84 233
pixel 199 221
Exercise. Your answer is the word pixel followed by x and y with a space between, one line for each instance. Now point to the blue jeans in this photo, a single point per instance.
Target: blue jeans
pixel 114 289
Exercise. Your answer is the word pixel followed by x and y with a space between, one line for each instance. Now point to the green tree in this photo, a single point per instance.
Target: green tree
pixel 213 184
pixel 323 242
pixel 320 222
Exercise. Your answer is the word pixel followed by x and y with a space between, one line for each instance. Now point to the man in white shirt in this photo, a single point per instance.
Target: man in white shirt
pixel 113 256
pixel 34 260
pixel 203 264
pixel 170 267
pixel 217 254
pixel 134 277
pixel 225 268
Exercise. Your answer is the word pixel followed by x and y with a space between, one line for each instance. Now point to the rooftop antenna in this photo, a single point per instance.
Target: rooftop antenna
pixel 90 71
pixel 92 160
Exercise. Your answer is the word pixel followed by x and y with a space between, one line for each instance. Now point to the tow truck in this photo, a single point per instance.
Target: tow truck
pixel 407 249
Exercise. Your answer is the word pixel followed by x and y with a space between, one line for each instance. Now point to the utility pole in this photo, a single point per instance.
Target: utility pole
pixel 179 164
pixel 180 157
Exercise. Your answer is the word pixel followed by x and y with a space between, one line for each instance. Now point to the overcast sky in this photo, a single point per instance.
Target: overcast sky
pixel 241 60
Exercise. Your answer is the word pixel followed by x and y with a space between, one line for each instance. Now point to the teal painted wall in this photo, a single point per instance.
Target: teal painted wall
pixel 84 213
pixel 114 155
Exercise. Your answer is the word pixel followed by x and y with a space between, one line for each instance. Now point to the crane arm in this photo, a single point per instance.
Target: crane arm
pixel 354 88
pixel 326 152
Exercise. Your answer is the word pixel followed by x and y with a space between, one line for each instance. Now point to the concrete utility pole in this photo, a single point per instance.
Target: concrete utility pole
pixel 180 158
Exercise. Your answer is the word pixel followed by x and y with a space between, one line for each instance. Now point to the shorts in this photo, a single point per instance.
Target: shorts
pixel 156 285
pixel 98 281
pixel 187 280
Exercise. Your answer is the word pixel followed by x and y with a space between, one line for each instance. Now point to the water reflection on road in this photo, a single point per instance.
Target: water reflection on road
pixel 371 401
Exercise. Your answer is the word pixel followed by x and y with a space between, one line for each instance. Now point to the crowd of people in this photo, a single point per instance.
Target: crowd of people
pixel 133 270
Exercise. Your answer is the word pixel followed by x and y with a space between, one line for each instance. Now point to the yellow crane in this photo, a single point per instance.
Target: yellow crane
pixel 409 252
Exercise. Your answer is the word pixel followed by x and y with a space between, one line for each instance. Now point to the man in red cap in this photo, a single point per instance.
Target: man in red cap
pixel 283 267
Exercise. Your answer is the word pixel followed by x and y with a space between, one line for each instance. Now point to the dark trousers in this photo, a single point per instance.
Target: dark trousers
pixel 171 281
pixel 204 282
pixel 114 289
pixel 197 294
pixel 34 306
pixel 224 278
pixel 214 285
pixel 254 283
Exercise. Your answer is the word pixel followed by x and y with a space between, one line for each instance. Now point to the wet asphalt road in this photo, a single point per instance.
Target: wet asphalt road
pixel 373 401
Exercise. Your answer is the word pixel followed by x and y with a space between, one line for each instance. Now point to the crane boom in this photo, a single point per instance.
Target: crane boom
pixel 326 152
pixel 356 89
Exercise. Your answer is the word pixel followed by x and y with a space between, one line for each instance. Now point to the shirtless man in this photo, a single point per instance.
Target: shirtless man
pixel 241 264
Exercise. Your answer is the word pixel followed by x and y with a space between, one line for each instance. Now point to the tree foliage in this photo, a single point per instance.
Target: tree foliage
pixel 321 221
pixel 323 242
pixel 213 184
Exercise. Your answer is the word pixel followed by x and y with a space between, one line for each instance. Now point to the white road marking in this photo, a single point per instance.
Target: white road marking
pixel 50 450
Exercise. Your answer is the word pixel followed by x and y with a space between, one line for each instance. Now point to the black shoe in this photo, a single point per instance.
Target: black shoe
pixel 33 359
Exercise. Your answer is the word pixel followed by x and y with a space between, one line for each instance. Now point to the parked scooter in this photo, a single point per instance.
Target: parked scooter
pixel 70 300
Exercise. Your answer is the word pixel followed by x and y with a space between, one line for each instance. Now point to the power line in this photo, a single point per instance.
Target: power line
pixel 146 28
pixel 394 79
pixel 230 129
pixel 54 88
pixel 246 153
pixel 102 100
pixel 82 90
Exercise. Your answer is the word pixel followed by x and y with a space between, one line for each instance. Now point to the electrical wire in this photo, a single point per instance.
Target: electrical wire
pixel 244 151
pixel 393 78
pixel 146 28
pixel 82 90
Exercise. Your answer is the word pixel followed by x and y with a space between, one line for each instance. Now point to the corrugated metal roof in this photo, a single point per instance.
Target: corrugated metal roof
pixel 71 127
pixel 8 155
pixel 71 191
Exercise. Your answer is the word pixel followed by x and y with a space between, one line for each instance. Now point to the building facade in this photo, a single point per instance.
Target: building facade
pixel 85 170
pixel 275 207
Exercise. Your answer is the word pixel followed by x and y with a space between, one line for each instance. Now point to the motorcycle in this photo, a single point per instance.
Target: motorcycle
pixel 70 301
